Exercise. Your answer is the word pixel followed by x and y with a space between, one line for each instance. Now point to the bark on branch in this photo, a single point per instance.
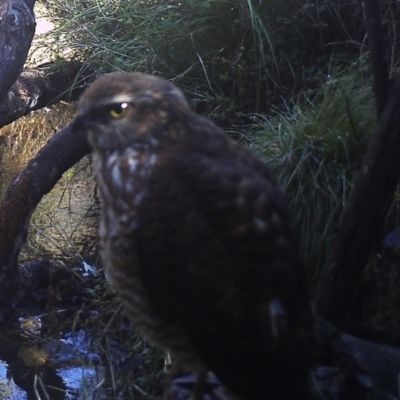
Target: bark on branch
pixel 363 216
pixel 377 53
pixel 17 27
pixel 43 86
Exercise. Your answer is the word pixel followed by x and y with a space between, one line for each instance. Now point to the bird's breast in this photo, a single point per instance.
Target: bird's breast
pixel 124 181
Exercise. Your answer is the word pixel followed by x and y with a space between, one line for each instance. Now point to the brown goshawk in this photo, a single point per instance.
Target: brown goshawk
pixel 196 238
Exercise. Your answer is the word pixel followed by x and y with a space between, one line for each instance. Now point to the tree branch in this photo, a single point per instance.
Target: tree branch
pixel 363 216
pixel 43 86
pixel 377 54
pixel 17 27
pixel 20 200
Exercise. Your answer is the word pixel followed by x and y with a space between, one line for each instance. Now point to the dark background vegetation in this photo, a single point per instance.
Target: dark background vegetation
pixel 289 79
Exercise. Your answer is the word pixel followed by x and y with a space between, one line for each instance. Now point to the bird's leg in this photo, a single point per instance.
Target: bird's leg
pixel 167 360
pixel 199 387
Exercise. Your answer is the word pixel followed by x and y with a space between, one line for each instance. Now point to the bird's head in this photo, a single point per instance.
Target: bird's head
pixel 122 109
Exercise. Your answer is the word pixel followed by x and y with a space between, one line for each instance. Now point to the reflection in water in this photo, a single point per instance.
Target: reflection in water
pixel 8 389
pixel 46 368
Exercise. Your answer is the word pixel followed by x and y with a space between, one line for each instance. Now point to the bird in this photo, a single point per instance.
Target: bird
pixel 197 240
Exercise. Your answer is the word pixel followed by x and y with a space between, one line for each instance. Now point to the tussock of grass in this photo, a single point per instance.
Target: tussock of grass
pixel 237 56
pixel 314 147
pixel 134 367
pixel 22 139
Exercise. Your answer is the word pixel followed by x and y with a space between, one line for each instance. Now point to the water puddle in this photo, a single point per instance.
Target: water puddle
pixel 8 389
pixel 40 357
pixel 36 366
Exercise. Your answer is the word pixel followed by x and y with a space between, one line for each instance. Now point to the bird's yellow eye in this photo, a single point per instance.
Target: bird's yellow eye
pixel 118 110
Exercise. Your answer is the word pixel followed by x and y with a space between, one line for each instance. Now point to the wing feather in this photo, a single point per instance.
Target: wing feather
pixel 217 236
